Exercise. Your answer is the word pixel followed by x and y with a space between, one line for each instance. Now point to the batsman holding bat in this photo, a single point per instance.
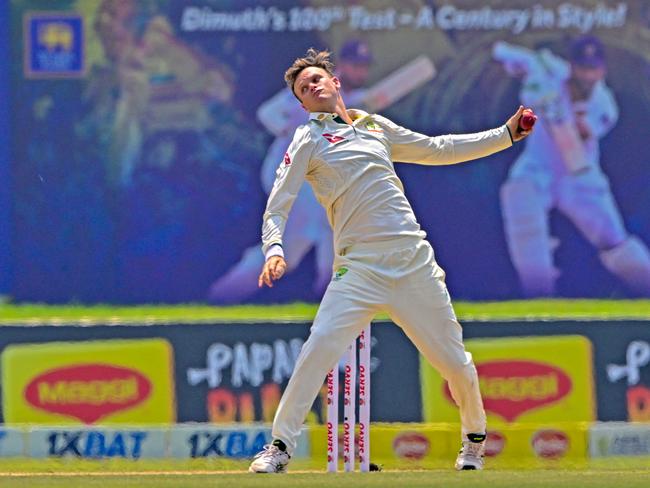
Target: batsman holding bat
pixel 559 167
pixel 382 261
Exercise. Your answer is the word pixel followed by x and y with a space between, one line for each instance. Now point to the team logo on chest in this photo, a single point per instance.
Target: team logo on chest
pixel 373 127
pixel 332 138
pixel 339 273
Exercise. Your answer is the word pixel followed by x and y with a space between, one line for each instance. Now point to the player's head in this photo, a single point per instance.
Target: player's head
pixel 588 61
pixel 312 80
pixel 114 24
pixel 353 65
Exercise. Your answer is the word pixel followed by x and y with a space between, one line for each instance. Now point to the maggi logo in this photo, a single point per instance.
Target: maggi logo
pixel 511 388
pixel 89 392
pixel 520 388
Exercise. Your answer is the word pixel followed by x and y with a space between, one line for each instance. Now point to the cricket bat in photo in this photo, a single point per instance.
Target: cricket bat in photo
pixel 570 145
pixel 564 132
pixel 399 83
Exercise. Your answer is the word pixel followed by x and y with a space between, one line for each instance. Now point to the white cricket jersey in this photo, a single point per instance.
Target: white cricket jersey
pixel 281 115
pixel 350 169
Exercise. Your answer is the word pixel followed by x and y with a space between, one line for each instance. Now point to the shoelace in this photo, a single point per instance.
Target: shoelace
pixel 473 448
pixel 269 451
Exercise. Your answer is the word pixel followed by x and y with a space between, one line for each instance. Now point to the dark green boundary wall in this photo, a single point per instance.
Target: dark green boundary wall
pixel 396 394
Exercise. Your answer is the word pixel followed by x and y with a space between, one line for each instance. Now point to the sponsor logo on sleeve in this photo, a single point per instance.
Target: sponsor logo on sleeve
pixel 287 159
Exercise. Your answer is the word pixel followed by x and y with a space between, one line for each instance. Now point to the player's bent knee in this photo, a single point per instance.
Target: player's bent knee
pixel 458 368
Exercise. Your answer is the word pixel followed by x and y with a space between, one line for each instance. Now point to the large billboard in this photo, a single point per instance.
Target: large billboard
pixel 225 373
pixel 89 382
pixel 522 379
pixel 146 135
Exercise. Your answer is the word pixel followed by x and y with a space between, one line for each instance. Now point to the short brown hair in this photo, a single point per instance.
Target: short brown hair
pixel 312 58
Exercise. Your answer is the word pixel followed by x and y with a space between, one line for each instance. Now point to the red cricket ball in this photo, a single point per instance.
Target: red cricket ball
pixel 527 119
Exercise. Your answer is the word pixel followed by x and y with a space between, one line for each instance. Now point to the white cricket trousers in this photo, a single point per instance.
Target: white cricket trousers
pixel 401 278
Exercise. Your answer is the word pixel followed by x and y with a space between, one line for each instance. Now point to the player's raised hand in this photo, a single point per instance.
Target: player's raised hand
pixel 273 270
pixel 521 123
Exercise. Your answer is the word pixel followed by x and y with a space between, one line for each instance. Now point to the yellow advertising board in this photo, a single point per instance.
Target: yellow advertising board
pixel 90 382
pixel 414 445
pixel 522 379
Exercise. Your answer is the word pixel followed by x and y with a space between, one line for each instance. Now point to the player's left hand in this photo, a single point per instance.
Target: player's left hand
pixel 274 269
pixel 513 125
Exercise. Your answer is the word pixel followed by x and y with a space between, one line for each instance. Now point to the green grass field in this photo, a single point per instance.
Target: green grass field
pixel 628 473
pixel 16 314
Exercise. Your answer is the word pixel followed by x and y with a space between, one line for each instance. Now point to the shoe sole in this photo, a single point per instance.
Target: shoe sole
pixel 280 471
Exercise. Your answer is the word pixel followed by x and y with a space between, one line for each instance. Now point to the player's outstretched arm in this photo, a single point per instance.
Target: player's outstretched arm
pixel 273 270
pixel 412 147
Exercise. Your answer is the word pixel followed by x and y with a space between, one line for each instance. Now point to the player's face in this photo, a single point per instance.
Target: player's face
pixel 317 90
pixel 586 76
pixel 114 27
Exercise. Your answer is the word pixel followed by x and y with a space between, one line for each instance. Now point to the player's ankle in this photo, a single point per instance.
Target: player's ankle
pixel 279 444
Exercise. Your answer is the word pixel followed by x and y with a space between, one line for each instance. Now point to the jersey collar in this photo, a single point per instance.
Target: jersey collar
pixel 355 115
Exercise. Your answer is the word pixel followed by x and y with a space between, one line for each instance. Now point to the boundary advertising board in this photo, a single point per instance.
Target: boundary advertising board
pixel 242 368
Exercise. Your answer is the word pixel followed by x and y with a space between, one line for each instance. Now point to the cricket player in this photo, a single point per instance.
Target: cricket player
pixel 383 262
pixel 156 84
pixel 308 228
pixel 559 167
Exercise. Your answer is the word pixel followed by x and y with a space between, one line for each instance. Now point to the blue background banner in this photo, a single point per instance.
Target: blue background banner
pixel 145 179
pixel 5 201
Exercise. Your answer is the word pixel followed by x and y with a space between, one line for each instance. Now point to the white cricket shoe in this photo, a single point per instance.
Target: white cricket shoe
pixel 270 460
pixel 471 453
